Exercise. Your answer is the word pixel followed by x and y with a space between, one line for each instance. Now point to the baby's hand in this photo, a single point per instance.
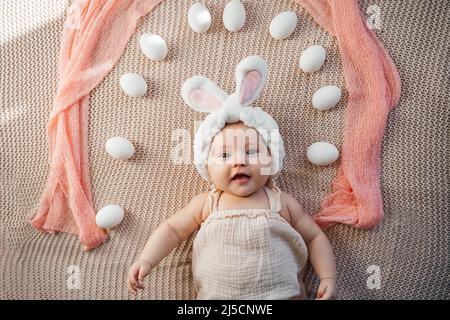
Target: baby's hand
pixel 138 271
pixel 327 289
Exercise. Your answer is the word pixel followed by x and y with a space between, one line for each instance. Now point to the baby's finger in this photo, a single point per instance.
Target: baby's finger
pixel 131 288
pixel 134 271
pixel 133 285
pixel 321 291
pixel 325 296
pixel 134 275
pixel 329 295
pixel 139 285
pixel 141 274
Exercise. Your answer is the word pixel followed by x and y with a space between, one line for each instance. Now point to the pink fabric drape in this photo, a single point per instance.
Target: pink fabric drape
pixel 373 85
pixel 95 35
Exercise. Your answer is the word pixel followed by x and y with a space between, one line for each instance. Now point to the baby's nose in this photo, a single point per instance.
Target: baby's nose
pixel 239 159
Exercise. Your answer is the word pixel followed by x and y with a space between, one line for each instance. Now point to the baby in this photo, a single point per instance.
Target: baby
pixel 253 239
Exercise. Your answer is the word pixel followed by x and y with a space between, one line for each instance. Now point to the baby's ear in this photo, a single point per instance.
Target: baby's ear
pixel 251 76
pixel 203 95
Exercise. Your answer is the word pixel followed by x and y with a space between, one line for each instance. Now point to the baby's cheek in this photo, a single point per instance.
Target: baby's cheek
pixel 216 170
pixel 264 165
pixel 264 171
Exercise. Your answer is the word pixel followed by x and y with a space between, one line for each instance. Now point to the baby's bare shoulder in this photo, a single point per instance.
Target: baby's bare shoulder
pixel 200 198
pixel 203 200
pixel 289 200
pixel 196 206
pixel 291 207
pixel 285 199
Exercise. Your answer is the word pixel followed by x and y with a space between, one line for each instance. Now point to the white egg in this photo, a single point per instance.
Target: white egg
pixel 326 97
pixel 322 153
pixel 234 16
pixel 119 148
pixel 109 216
pixel 153 46
pixel 199 18
pixel 283 25
pixel 133 85
pixel 312 58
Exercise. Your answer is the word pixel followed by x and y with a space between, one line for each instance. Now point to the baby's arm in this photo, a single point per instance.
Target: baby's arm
pixel 320 252
pixel 166 237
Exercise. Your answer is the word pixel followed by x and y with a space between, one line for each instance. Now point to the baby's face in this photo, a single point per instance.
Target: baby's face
pixel 239 161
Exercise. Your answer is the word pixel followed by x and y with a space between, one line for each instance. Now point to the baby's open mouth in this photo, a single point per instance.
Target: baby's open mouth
pixel 241 177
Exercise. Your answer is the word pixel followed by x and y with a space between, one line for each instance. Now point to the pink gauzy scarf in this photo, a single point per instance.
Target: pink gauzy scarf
pixel 95 35
pixel 373 85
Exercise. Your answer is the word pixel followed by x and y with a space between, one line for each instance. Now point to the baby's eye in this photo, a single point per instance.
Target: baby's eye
pixel 252 151
pixel 224 155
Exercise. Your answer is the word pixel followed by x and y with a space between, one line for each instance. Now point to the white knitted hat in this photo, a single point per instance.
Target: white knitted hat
pixel 203 95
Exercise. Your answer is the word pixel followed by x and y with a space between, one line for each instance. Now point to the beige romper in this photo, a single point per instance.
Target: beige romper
pixel 248 253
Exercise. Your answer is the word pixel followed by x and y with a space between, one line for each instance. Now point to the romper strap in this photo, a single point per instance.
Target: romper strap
pixel 274 195
pixel 213 199
pixel 277 198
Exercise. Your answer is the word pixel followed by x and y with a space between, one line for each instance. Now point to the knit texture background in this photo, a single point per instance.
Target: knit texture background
pixel 410 246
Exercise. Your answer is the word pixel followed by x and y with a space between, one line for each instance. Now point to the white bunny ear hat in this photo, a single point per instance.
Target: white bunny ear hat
pixel 203 95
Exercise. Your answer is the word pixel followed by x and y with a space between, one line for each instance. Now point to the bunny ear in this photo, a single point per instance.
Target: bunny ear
pixel 251 76
pixel 203 95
